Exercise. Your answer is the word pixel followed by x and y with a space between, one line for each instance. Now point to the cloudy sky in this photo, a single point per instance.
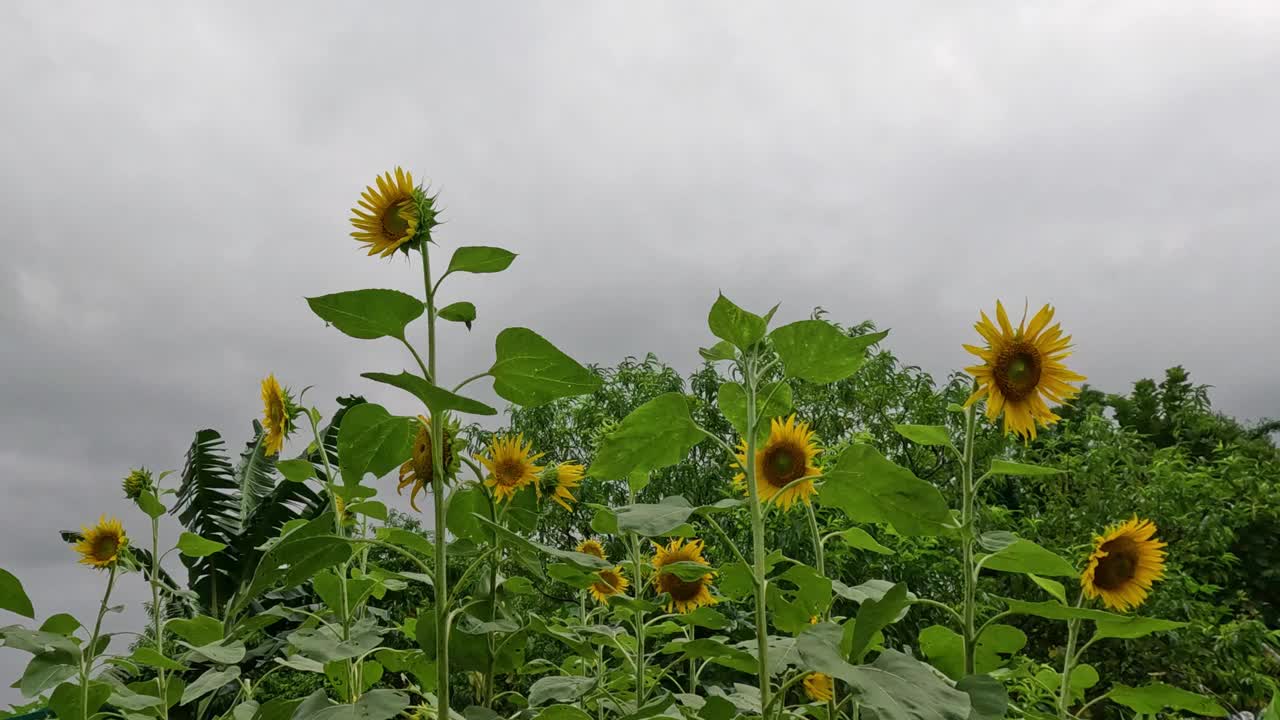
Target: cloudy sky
pixel 175 179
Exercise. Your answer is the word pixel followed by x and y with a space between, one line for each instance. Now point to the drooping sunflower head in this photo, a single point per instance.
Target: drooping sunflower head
pixel 102 545
pixel 592 547
pixel 818 687
pixel 510 461
pixel 558 481
pixel 1022 370
pixel 137 482
pixel 419 470
pixel 392 214
pixel 686 595
pixel 609 582
pixel 1125 562
pixel 278 413
pixel 786 457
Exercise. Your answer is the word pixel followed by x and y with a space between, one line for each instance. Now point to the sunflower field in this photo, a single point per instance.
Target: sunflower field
pixel 804 528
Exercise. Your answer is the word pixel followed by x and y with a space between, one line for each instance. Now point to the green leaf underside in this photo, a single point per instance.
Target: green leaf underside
pixel 368 314
pixel 436 398
pixel 530 371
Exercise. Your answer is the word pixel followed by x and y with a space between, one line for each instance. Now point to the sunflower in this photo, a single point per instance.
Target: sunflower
pixel 787 456
pixel 137 482
pixel 278 412
pixel 1124 563
pixel 388 216
pixel 818 687
pixel 417 472
pixel 1021 369
pixel 686 595
pixel 592 547
pixel 100 546
pixel 611 582
pixel 510 465
pixel 558 481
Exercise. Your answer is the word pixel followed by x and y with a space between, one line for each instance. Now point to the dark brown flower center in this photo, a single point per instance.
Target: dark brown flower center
pixel 609 582
pixel 508 472
pixel 423 464
pixel 1017 370
pixel 783 463
pixel 393 225
pixel 680 590
pixel 105 547
pixel 1119 566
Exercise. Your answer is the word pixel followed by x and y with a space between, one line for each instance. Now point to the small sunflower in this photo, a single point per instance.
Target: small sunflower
pixel 417 472
pixel 100 546
pixel 686 595
pixel 278 412
pixel 510 464
pixel 611 582
pixel 1124 564
pixel 787 456
pixel 1022 369
pixel 137 482
pixel 592 547
pixel 389 215
pixel 818 687
pixel 558 481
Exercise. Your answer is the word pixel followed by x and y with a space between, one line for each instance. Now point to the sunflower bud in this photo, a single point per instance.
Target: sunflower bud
pixel 137 482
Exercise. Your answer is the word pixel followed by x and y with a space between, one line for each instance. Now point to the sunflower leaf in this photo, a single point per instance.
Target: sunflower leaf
pixel 372 440
pixel 735 325
pixel 870 488
pixel 873 616
pixel 13 597
pixel 1008 467
pixel 926 434
pixel 659 433
pixel 368 314
pixel 1134 627
pixel 656 519
pixel 774 400
pixel 463 312
pixel 1024 556
pixel 193 545
pixel 530 371
pixel 1151 699
pixel 436 398
pixel 480 259
pixel 945 648
pixel 1056 611
pixel 817 351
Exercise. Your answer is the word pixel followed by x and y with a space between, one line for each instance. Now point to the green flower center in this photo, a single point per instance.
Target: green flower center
pixel 393 223
pixel 1017 370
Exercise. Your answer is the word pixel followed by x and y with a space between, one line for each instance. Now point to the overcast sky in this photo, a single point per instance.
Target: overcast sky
pixel 174 180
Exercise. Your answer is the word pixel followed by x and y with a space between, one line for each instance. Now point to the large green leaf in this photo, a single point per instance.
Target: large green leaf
pixel 894 687
pixel 582 561
pixel 559 688
pixel 817 351
pixel 1154 698
pixel 714 650
pixel 926 434
pixel 209 505
pixel 654 520
pixel 773 400
pixel 12 597
pixel 1134 627
pixel 480 259
pixel 856 537
pixel 873 616
pixel 211 680
pixel 68 700
pixel 530 371
pixel 372 440
pixel 945 648
pixel 735 325
pixel 436 398
pixel 1008 467
pixel 987 696
pixel 1024 556
pixel 47 670
pixel 870 488
pixel 1056 611
pixel 368 314
pixel 659 433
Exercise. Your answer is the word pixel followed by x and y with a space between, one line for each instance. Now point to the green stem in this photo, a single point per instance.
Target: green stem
pixel 638 618
pixel 782 692
pixel 353 680
pixel 156 612
pixel 727 540
pixel 1069 663
pixel 438 498
pixel 951 612
pixel 470 380
pixel 86 657
pixel 693 665
pixel 757 541
pixel 493 616
pixel 966 538
pixel 819 559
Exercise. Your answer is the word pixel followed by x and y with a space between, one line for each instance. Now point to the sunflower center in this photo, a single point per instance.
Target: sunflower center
pixel 393 225
pixel 1119 566
pixel 783 463
pixel 680 590
pixel 1017 370
pixel 609 580
pixel 105 547
pixel 508 472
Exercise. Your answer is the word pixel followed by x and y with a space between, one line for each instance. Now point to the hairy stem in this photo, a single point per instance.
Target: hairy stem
pixel 757 538
pixel 967 533
pixel 438 499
